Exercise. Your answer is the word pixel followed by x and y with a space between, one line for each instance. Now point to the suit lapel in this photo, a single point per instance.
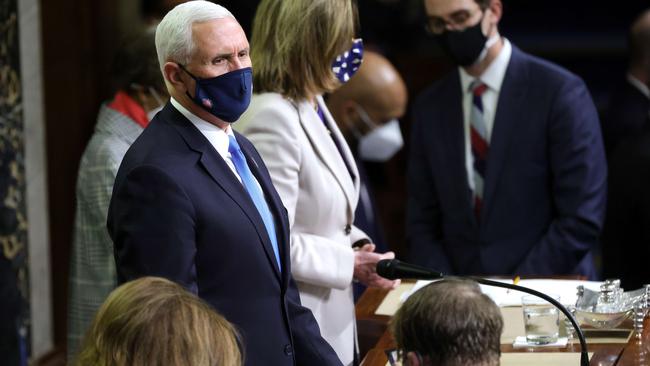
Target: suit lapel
pixel 327 151
pixel 452 117
pixel 277 209
pixel 510 109
pixel 221 173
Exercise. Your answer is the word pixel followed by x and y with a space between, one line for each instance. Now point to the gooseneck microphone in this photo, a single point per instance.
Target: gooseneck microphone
pixel 393 269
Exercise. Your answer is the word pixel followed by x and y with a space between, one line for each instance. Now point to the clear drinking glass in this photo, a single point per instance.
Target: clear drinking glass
pixel 541 319
pixel 570 330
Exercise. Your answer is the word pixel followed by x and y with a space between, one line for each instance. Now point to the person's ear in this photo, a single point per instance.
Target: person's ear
pixel 496 11
pixel 349 114
pixel 173 74
pixel 413 359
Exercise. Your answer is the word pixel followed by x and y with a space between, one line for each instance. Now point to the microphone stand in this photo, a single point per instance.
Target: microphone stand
pixel 584 356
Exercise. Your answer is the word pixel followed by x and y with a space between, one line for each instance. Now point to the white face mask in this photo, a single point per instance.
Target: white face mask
pixel 382 142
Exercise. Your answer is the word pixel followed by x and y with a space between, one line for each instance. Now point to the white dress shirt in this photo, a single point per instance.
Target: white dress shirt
pixel 217 137
pixel 493 78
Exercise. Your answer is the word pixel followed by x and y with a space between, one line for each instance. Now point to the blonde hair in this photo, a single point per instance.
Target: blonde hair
pixel 153 321
pixel 294 43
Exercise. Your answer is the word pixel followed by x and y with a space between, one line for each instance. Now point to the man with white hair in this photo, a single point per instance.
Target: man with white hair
pixel 193 200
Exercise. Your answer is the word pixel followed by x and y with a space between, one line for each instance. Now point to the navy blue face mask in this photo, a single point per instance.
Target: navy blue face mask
pixel 225 96
pixel 346 64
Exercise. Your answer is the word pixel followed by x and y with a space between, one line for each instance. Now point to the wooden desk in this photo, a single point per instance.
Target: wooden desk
pixel 374 338
pixel 370 327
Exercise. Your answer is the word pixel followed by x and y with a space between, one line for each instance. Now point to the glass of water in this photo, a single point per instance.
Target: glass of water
pixel 541 319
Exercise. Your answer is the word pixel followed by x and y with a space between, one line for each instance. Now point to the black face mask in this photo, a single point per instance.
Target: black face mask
pixel 465 46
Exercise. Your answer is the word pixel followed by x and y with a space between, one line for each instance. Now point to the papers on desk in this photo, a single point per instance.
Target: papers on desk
pixel 566 289
pixel 393 299
pixel 539 359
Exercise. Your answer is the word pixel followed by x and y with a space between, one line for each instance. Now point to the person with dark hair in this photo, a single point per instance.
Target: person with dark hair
pixel 11 300
pixel 628 108
pixel 140 92
pixel 626 233
pixel 507 173
pixel 10 310
pixel 152 11
pixel 448 323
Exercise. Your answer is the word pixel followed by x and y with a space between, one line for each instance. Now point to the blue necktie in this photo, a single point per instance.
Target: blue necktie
pixel 254 192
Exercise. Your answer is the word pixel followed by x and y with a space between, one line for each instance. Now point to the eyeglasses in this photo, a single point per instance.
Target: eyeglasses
pixel 393 357
pixel 396 357
pixel 459 21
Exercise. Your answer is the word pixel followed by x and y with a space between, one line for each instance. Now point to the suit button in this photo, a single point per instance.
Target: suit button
pixel 288 350
pixel 348 229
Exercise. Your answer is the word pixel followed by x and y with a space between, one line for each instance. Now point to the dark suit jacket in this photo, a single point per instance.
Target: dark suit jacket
pixel 626 116
pixel 12 302
pixel 366 216
pixel 10 314
pixel 626 235
pixel 544 191
pixel 178 212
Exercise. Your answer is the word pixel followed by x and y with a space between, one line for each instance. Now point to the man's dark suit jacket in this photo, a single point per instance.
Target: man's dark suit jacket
pixel 545 184
pixel 626 235
pixel 178 212
pixel 625 117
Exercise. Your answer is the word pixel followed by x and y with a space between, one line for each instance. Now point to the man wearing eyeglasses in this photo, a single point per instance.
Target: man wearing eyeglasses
pixel 507 170
pixel 448 322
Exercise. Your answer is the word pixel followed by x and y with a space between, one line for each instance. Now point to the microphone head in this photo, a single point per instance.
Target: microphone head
pixel 394 269
pixel 386 268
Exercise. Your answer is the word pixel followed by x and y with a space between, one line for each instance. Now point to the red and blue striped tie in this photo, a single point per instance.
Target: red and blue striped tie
pixel 479 140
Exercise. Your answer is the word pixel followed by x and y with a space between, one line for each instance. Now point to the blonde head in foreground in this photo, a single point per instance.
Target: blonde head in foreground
pixel 155 322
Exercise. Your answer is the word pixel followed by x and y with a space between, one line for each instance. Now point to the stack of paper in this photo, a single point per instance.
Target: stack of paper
pixel 541 359
pixel 565 289
pixel 538 359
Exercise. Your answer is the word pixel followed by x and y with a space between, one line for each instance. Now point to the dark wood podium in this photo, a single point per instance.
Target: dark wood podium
pixel 374 339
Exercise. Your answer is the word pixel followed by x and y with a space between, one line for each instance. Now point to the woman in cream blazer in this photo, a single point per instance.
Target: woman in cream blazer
pixel 320 197
pixel 317 181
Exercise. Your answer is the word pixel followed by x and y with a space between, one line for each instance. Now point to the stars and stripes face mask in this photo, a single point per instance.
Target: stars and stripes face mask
pixel 347 63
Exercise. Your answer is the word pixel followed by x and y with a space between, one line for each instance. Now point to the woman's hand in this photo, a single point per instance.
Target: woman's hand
pixel 365 267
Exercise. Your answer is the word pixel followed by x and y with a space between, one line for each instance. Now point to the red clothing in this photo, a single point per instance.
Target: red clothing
pixel 126 105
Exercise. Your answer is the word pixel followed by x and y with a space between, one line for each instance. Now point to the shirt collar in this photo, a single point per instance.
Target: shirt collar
pixel 217 137
pixel 495 72
pixel 639 85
